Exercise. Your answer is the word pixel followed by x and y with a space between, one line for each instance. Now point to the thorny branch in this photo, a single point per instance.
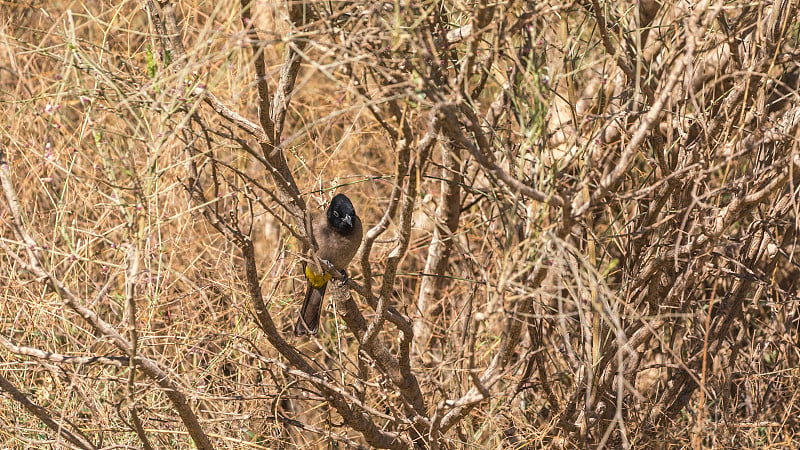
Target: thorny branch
pixel 607 238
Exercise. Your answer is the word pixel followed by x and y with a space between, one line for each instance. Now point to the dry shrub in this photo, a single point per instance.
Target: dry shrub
pixel 582 224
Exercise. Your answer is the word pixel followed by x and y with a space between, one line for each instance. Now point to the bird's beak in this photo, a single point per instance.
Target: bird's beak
pixel 348 219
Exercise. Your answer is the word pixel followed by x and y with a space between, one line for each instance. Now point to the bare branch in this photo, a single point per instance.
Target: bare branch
pixel 75 438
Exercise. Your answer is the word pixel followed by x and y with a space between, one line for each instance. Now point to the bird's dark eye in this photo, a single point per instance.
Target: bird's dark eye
pixel 336 214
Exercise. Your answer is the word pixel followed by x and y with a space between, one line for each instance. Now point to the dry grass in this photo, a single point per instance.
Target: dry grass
pixel 590 225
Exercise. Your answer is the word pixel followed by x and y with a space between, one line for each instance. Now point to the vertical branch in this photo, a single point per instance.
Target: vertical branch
pixel 617 53
pixel 260 66
pixel 166 24
pixel 401 168
pixel 132 275
pixel 448 212
pixel 283 94
pixel 481 18
pixel 273 114
pixel 404 233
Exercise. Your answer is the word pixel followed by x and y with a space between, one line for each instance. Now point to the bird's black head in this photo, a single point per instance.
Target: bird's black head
pixel 341 214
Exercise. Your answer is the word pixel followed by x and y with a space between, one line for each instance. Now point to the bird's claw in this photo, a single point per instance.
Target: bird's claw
pixel 345 278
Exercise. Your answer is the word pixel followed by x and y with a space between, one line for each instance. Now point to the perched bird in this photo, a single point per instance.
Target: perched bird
pixel 338 235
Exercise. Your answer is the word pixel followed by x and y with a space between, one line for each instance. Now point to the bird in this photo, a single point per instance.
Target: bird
pixel 338 234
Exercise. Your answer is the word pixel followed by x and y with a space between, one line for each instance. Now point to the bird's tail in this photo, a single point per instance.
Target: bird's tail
pixel 308 322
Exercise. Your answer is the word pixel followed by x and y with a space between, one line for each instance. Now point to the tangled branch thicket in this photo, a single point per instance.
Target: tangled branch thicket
pixel 581 224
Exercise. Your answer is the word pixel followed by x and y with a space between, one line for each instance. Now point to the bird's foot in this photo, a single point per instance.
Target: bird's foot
pixel 345 278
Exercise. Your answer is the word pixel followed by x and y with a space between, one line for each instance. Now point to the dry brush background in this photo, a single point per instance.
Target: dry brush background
pixel 582 224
